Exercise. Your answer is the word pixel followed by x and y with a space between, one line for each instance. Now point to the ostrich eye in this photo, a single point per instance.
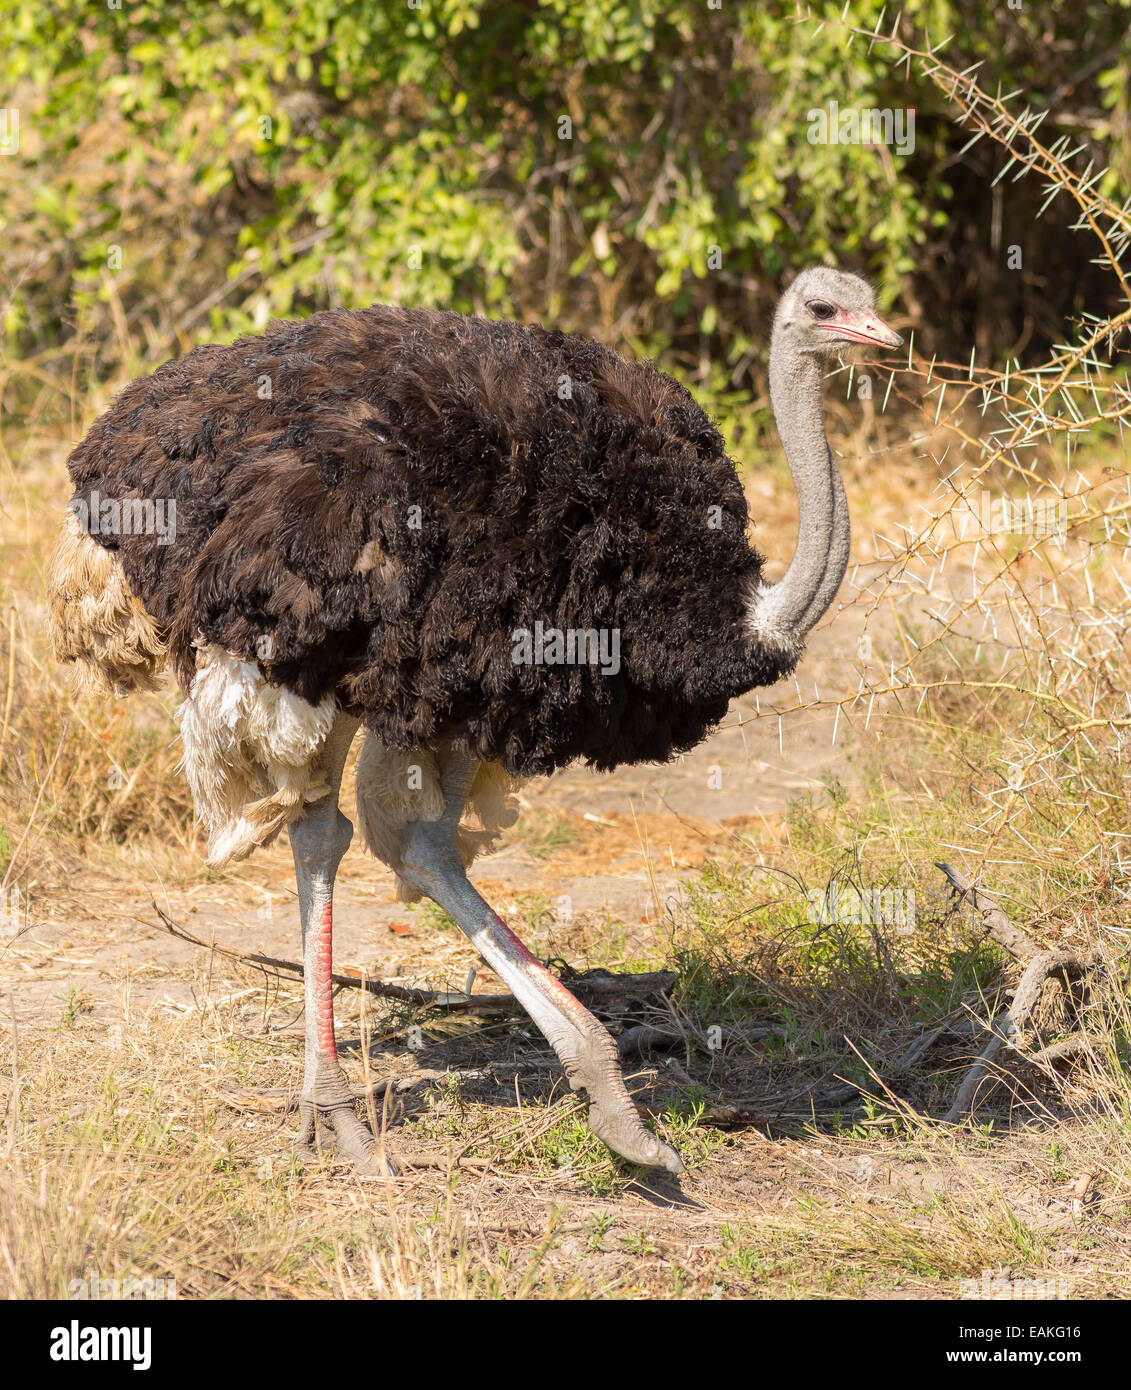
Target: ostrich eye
pixel 819 309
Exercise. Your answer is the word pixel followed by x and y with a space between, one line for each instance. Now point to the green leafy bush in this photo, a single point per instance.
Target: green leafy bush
pixel 190 171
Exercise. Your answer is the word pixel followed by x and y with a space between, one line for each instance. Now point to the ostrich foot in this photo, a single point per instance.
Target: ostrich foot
pixel 353 1141
pixel 587 1052
pixel 613 1116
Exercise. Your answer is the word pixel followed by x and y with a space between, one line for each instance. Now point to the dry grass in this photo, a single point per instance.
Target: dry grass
pixel 122 1162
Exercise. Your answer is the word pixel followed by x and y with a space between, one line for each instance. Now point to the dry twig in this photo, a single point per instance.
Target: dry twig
pixel 596 987
pixel 1039 966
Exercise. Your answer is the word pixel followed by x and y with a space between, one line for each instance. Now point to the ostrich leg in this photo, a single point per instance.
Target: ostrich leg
pixel 431 863
pixel 318 842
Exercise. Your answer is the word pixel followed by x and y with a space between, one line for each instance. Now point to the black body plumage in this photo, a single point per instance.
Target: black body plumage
pixel 373 503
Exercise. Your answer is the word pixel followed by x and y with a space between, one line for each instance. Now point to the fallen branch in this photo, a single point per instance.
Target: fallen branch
pixel 1039 965
pixel 1025 999
pixel 275 1099
pixel 997 924
pixel 773 1110
pixel 601 986
pixel 1068 1049
pixel 645 1036
pixel 953 1027
pixel 283 969
pixel 595 987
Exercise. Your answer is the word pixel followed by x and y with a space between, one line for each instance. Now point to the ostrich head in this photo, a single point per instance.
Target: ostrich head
pixel 822 313
pixel 826 310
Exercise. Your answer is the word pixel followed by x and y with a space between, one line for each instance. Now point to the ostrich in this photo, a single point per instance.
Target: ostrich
pixel 376 512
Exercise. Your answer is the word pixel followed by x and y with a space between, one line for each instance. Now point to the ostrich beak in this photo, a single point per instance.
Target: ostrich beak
pixel 865 327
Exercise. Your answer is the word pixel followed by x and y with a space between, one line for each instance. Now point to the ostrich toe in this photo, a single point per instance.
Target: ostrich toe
pixel 353 1141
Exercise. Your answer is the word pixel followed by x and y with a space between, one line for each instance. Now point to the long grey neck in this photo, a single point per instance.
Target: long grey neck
pixel 836 562
pixel 782 614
